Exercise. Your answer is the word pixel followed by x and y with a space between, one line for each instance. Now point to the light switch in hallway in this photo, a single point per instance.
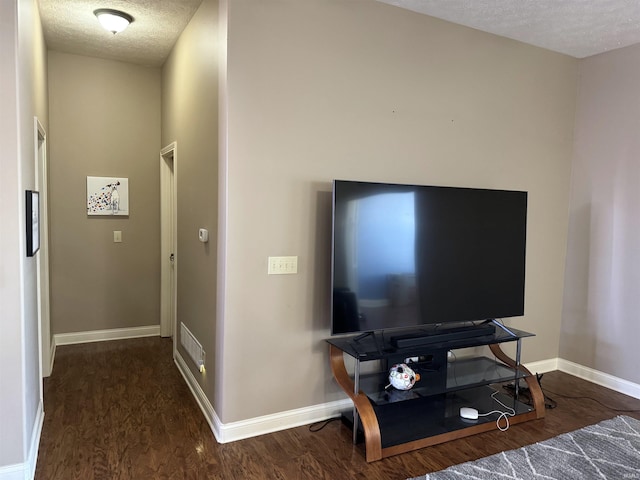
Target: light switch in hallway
pixel 117 236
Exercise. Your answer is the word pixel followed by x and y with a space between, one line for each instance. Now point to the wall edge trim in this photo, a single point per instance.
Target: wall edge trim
pixel 52 359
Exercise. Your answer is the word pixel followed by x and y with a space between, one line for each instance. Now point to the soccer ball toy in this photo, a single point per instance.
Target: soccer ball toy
pixel 402 377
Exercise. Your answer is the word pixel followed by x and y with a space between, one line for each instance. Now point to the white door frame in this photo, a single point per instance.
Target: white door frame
pixel 47 351
pixel 168 243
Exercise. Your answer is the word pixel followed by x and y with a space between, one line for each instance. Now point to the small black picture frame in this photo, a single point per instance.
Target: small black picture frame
pixel 32 208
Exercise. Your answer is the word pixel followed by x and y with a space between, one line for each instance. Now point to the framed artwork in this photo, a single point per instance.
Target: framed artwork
pixel 107 196
pixel 32 208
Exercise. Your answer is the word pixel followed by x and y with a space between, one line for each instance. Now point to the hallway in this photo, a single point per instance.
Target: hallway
pixel 121 410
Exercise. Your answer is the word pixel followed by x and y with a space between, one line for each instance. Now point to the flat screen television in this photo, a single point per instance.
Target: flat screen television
pixel 409 256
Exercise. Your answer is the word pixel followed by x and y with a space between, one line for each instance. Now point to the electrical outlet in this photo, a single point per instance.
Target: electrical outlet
pixel 203 360
pixel 282 265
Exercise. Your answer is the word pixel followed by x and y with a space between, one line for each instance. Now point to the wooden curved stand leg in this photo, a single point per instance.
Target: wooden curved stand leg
pixel 373 445
pixel 532 382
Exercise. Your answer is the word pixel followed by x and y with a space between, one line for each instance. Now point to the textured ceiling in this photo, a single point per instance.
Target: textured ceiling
pixel 70 26
pixel 579 28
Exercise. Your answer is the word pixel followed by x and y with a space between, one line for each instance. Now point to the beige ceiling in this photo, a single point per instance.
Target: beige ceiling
pixel 70 26
pixel 579 28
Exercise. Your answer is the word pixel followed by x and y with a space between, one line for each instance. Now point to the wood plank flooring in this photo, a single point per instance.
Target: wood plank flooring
pixel 121 410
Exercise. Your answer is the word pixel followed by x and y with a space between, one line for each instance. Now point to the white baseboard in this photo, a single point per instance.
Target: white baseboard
pixel 27 470
pixel 100 336
pixel 13 472
pixel 542 366
pixel 600 378
pixel 104 335
pixel 32 459
pixel 282 421
pixel 199 395
pixel 253 427
pixel 594 376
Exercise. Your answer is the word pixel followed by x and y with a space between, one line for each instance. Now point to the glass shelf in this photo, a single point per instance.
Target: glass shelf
pixel 377 345
pixel 461 374
pixel 440 414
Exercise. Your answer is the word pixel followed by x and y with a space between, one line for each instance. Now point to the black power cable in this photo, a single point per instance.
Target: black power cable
pixel 316 427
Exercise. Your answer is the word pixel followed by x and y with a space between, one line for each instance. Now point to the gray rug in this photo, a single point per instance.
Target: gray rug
pixel 607 450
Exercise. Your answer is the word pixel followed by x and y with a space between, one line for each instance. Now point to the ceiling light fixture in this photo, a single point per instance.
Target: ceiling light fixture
pixel 114 21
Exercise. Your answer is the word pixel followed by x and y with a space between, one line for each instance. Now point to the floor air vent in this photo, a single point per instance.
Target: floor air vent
pixel 192 346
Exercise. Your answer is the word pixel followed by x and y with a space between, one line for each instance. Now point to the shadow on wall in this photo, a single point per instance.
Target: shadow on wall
pixel 321 320
pixel 578 335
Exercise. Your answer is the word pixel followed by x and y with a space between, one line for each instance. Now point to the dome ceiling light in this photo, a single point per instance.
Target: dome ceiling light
pixel 114 21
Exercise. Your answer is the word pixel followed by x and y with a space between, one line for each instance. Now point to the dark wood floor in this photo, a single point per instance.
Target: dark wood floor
pixel 121 410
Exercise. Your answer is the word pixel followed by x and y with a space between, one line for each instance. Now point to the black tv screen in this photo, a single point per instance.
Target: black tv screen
pixel 409 255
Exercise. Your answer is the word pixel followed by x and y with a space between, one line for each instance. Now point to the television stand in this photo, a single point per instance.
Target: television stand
pixel 393 421
pixel 437 335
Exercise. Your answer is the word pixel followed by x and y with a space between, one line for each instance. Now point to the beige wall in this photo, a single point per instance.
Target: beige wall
pixel 600 327
pixel 32 75
pixel 12 394
pixel 361 90
pixel 190 118
pixel 105 121
pixel 23 95
pixel 317 90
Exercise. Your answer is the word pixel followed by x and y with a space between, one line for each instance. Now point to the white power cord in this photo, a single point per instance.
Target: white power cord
pixel 504 415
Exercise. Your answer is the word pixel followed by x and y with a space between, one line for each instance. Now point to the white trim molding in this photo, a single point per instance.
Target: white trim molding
pixel 32 459
pixel 253 427
pixel 13 472
pixel 542 366
pixel 52 352
pixel 168 240
pixel 100 336
pixel 600 378
pixel 199 395
pixel 617 384
pixel 27 470
pixel 104 335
